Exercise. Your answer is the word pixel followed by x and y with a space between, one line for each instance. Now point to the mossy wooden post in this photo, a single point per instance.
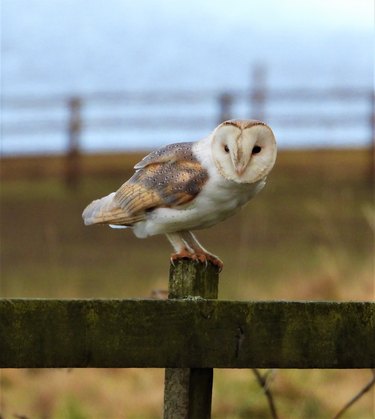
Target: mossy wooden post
pixel 188 392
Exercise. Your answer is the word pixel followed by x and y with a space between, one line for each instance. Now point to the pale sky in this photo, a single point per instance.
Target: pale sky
pixel 154 37
pixel 357 14
pixel 329 14
pixel 65 46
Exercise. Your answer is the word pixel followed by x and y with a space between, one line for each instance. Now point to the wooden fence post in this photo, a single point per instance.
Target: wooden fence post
pixel 188 392
pixel 72 168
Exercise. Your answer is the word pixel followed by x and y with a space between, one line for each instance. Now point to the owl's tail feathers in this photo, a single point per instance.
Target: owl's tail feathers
pixel 107 211
pixel 97 212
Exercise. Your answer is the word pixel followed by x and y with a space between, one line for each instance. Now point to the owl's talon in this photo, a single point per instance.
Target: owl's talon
pixel 216 261
pixel 208 257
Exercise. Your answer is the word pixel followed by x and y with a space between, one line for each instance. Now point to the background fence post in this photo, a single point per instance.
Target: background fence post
pixel 372 136
pixel 188 392
pixel 258 92
pixel 72 168
pixel 225 107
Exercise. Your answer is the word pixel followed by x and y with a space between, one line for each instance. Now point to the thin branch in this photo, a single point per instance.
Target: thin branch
pixel 263 381
pixel 365 389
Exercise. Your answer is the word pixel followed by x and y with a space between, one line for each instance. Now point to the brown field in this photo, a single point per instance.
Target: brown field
pixel 308 236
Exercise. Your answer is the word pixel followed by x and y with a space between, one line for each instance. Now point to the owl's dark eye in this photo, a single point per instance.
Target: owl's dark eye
pixel 226 148
pixel 256 150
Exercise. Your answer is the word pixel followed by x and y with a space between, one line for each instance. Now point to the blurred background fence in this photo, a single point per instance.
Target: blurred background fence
pixel 324 117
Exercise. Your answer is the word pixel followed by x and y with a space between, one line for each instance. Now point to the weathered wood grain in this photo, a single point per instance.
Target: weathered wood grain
pixel 191 333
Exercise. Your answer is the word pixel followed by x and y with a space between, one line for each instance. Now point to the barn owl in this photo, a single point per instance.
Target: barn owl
pixel 190 186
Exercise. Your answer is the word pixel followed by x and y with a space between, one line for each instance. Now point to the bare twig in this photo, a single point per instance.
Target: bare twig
pixel 263 381
pixel 365 389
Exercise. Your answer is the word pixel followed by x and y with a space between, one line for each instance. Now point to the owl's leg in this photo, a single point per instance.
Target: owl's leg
pixel 200 252
pixel 183 250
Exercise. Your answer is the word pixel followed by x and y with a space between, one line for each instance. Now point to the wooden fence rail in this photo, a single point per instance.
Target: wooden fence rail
pixel 186 333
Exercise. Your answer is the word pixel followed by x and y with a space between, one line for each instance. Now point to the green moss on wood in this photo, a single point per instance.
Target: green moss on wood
pixel 186 333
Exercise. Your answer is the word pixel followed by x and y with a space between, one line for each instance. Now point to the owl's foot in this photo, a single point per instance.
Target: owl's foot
pixel 182 254
pixel 198 256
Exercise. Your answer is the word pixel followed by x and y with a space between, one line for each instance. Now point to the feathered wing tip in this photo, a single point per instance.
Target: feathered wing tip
pixel 99 211
pixel 107 210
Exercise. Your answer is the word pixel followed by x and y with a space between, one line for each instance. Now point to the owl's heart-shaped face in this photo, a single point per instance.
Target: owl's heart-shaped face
pixel 244 151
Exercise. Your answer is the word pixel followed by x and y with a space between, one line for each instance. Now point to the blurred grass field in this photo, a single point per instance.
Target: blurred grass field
pixel 308 236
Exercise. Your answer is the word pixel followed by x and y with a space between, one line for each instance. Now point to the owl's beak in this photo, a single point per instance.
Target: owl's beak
pixel 240 168
pixel 240 161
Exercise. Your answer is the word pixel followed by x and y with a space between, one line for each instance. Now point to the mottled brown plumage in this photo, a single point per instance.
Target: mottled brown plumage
pixel 169 154
pixel 169 177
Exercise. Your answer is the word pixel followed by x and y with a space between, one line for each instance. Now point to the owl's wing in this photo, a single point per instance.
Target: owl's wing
pixel 168 154
pixel 158 182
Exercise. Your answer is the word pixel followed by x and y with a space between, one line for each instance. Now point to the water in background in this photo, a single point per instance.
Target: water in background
pixel 60 49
